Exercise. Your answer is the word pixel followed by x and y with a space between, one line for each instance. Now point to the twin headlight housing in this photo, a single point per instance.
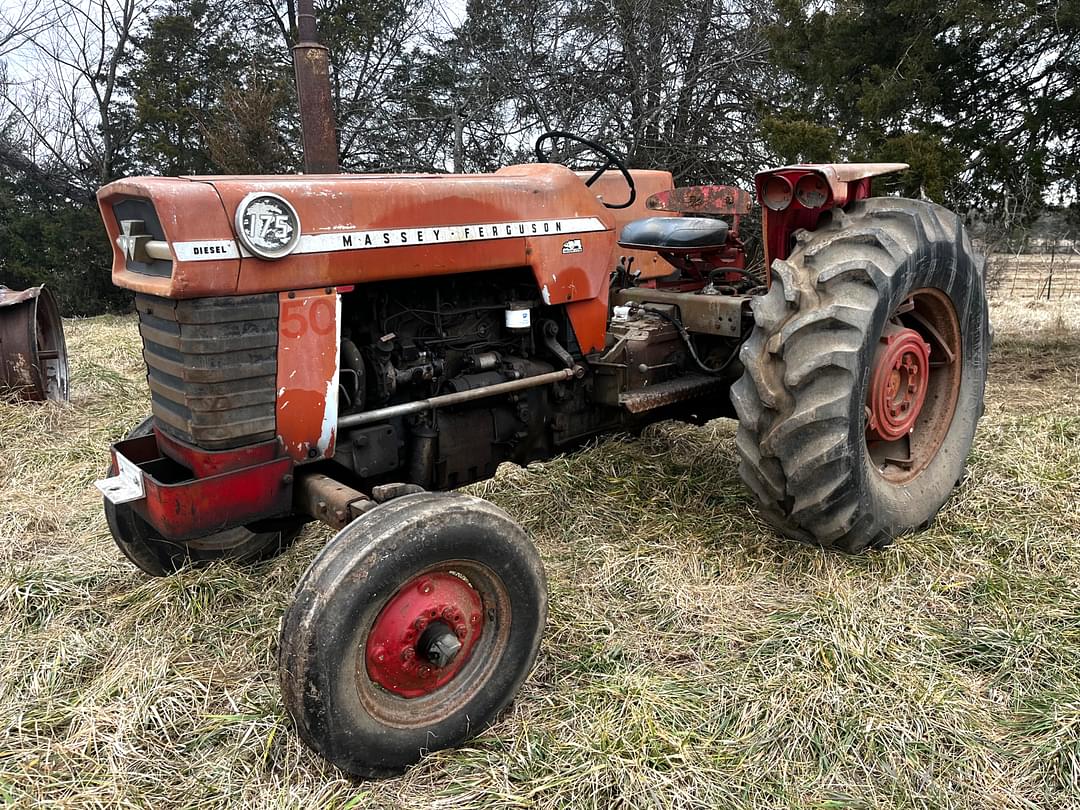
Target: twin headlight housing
pixel 811 191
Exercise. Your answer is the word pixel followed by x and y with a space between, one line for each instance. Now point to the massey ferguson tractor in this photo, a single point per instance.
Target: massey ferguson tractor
pixel 351 349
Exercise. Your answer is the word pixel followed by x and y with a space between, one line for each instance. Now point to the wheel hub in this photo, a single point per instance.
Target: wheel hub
pixel 439 644
pixel 424 635
pixel 898 383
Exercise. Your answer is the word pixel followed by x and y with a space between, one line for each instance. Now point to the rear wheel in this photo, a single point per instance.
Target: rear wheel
pixel 157 556
pixel 864 375
pixel 411 631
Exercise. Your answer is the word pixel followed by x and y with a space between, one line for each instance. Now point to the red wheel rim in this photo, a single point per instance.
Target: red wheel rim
pixel 914 385
pixel 898 383
pixel 429 615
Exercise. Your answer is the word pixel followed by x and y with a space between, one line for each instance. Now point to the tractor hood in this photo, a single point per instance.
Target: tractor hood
pixel 189 237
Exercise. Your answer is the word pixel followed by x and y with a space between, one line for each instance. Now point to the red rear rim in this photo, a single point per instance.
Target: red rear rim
pixel 899 382
pixel 424 635
pixel 914 385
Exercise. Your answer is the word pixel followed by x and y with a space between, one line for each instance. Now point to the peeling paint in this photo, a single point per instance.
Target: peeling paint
pixel 330 411
pixel 309 337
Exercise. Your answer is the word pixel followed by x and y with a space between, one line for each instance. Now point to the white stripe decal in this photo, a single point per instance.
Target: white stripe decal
pixel 399 237
pixel 206 251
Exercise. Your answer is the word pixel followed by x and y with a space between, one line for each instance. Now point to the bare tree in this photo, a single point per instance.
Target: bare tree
pixel 672 83
pixel 18 25
pixel 66 118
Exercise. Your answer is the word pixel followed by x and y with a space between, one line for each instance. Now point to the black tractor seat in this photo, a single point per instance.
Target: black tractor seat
pixel 675 234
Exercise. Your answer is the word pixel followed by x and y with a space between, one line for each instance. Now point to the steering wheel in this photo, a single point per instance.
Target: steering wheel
pixel 612 158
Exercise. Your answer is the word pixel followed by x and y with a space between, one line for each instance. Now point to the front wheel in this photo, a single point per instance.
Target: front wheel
pixel 864 375
pixel 410 632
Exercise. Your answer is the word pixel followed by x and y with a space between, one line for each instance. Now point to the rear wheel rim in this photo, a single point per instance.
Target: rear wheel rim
pixel 914 385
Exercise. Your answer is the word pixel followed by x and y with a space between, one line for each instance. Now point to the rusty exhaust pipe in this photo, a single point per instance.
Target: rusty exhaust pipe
pixel 311 65
pixel 33 354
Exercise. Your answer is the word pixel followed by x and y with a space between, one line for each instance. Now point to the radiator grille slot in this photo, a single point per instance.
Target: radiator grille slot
pixel 212 367
pixel 140 210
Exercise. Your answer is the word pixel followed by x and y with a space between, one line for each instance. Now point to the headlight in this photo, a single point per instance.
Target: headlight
pixel 776 192
pixel 812 191
pixel 268 226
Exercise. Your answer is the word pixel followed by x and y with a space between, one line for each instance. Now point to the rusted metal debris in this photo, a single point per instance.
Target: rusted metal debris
pixel 33 355
pixel 670 392
pixel 715 200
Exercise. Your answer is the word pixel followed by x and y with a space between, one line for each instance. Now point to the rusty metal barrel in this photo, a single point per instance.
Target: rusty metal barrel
pixel 33 355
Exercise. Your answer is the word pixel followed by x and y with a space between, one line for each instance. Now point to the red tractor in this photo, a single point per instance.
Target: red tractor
pixel 351 349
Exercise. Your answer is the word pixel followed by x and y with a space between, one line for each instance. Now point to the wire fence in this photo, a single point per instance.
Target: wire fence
pixel 1047 270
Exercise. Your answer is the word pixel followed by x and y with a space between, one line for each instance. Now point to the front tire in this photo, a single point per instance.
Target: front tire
pixel 362 671
pixel 864 375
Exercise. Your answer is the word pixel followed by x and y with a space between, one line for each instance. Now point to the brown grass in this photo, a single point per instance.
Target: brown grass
pixel 692 658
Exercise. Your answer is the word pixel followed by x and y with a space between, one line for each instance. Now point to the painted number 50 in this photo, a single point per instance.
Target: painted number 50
pixel 300 314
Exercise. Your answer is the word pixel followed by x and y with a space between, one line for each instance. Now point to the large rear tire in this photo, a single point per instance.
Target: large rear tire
pixel 157 556
pixel 864 375
pixel 410 632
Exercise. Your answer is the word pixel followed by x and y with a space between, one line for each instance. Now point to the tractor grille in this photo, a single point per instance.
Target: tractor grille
pixel 212 367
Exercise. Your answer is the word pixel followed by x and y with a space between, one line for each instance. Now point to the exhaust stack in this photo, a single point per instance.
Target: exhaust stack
pixel 312 67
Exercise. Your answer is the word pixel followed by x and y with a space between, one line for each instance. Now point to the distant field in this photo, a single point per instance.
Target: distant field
pixel 693 658
pixel 1035 276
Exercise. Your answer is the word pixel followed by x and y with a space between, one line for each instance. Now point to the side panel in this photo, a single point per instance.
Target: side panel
pixel 362 228
pixel 309 354
pixel 355 228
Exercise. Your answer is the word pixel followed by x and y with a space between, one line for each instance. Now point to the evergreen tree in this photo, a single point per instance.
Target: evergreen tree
pixel 979 96
pixel 48 238
pixel 183 65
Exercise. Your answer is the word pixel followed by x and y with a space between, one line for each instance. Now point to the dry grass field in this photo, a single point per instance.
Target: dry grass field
pixel 693 659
